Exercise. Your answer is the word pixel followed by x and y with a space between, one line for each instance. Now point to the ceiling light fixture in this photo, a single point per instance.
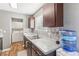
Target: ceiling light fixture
pixel 13 5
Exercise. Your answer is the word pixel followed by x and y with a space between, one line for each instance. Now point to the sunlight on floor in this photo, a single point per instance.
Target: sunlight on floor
pixel 22 53
pixel 16 48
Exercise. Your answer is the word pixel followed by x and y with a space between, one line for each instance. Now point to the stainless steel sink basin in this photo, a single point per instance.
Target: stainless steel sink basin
pixel 35 37
pixel 32 36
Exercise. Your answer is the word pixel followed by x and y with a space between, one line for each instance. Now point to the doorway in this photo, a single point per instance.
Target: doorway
pixel 16 30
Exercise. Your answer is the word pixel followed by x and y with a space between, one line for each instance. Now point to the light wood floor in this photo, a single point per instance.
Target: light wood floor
pixel 15 48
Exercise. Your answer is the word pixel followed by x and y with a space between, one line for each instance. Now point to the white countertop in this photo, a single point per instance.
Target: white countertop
pixel 46 45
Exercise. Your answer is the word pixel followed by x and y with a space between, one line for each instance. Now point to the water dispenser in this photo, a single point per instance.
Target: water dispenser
pixel 69 40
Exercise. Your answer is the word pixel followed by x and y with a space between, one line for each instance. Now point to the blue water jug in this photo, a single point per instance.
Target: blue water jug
pixel 69 40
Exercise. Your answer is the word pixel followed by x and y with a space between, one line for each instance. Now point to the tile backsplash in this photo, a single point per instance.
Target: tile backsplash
pixel 52 33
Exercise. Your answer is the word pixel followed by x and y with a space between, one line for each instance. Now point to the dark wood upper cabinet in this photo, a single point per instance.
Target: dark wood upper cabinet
pixel 31 22
pixel 53 15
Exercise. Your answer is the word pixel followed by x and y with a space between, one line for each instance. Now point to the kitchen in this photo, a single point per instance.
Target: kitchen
pixel 37 26
pixel 48 21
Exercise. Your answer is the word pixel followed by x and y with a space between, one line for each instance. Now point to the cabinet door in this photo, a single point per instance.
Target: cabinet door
pixel 32 25
pixel 29 49
pixel 59 14
pixel 48 15
pixel 34 53
pixel 31 22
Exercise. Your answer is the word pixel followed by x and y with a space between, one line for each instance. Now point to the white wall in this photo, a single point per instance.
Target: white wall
pixel 71 17
pixel 5 24
pixel 39 19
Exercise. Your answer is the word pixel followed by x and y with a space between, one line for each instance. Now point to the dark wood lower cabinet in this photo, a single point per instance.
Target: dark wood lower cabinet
pixel 32 50
pixel 25 42
pixel 29 49
pixel 34 53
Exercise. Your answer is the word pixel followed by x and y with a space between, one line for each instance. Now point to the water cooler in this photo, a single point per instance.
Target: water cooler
pixel 68 43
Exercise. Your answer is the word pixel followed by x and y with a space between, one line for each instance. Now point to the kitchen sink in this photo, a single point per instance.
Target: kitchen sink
pixel 32 35
pixel 35 37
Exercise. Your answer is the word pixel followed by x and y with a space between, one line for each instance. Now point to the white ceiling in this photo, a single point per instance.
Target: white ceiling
pixel 23 8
